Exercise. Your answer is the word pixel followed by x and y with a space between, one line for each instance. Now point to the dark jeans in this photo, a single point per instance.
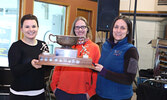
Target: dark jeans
pixel 61 95
pixel 97 97
pixel 21 97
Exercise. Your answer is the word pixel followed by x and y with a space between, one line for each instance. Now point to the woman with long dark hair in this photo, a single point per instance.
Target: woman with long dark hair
pixel 118 63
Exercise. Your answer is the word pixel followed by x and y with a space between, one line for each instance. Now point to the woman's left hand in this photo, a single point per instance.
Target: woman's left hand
pixel 34 63
pixel 98 67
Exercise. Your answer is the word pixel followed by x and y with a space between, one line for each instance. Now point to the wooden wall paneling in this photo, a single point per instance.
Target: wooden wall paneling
pixel 88 15
pixel 72 6
pixel 85 13
pixel 28 6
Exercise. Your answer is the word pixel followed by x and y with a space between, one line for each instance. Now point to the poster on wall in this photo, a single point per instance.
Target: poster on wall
pixel 5 42
pixel 162 2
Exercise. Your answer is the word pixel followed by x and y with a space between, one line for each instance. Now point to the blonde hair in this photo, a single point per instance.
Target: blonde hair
pixel 89 32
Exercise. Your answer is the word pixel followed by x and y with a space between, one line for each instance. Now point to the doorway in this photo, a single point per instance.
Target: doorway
pixel 85 13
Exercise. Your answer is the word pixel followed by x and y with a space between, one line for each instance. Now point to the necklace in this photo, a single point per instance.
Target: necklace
pixel 84 51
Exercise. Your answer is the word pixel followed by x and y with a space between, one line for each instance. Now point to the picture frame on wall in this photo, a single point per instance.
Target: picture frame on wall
pixel 160 5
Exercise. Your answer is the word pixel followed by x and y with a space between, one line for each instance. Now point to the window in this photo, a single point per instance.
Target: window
pixel 9 14
pixel 51 19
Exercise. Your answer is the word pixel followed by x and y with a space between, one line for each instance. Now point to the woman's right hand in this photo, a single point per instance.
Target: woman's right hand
pixel 98 67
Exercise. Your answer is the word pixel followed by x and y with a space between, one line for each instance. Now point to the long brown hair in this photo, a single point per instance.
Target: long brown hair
pixel 129 24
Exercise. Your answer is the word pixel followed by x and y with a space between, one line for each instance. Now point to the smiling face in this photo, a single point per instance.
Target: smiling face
pixel 80 28
pixel 120 30
pixel 29 29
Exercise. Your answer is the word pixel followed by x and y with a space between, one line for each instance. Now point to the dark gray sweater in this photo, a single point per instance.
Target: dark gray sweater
pixel 26 77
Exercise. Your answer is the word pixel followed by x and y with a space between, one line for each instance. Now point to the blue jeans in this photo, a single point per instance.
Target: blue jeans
pixel 61 95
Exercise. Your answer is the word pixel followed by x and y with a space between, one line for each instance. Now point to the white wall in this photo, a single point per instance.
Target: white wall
pixel 146 31
pixel 142 5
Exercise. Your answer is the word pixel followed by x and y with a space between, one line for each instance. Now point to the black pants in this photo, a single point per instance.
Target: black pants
pixel 97 97
pixel 61 95
pixel 21 97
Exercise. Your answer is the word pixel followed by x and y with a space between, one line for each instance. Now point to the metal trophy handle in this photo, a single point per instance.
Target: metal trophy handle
pixel 66 41
pixel 51 35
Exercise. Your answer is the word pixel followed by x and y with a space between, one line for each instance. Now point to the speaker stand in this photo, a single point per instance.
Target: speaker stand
pixel 134 22
pixel 106 35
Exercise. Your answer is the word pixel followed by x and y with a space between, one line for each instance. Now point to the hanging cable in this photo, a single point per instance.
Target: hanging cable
pixel 129 7
pixel 134 20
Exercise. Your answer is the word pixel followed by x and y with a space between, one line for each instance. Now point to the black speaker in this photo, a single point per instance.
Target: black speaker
pixel 108 10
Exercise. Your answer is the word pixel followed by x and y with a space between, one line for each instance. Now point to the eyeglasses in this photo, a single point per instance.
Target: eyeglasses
pixel 78 27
